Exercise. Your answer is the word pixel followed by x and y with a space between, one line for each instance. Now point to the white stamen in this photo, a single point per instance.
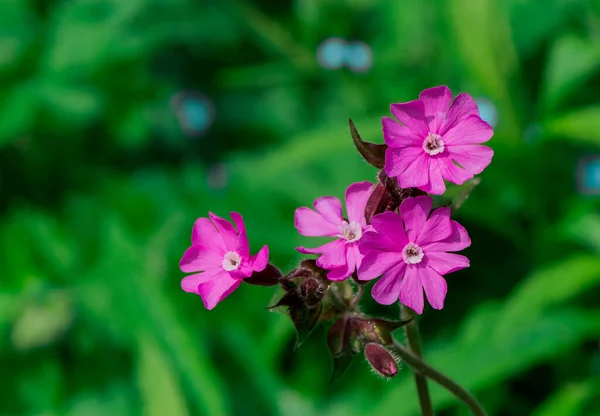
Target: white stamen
pixel 351 232
pixel 231 261
pixel 412 254
pixel 433 144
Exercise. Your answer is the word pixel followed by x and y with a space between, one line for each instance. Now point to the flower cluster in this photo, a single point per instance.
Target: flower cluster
pixel 390 231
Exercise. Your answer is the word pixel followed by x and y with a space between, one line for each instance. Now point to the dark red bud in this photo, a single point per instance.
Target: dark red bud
pixel 336 336
pixel 305 287
pixel 311 291
pixel 381 360
pixel 378 202
pixel 371 152
pixel 270 276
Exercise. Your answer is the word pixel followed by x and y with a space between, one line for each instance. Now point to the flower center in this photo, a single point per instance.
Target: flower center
pixel 433 144
pixel 231 261
pixel 412 254
pixel 351 232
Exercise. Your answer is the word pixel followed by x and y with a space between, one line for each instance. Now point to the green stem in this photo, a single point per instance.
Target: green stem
pixel 412 337
pixel 423 368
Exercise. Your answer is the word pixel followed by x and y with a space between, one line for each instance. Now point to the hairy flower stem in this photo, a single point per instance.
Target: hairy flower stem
pixel 419 366
pixel 412 337
pixel 357 297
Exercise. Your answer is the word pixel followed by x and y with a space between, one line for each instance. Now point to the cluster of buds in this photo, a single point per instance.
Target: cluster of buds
pixel 390 232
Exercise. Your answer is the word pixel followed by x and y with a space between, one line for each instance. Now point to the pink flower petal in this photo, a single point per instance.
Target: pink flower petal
pixel 241 245
pixel 374 241
pixel 436 101
pixel 243 271
pixel 462 106
pixel 436 228
pixel 355 252
pixel 226 230
pixel 312 224
pixel 417 174
pixel 205 234
pixel 412 115
pixel 445 263
pixel 217 289
pixel 435 287
pixel 339 273
pixel 473 158
pixel 452 172
pixel 376 263
pixel 197 258
pixel 190 283
pixel 357 196
pixel 396 135
pixel 343 272
pixel 387 289
pixel 398 160
pixel 318 250
pixel 471 130
pixel 458 240
pixel 335 256
pixel 414 213
pixel 436 185
pixel 390 225
pixel 330 208
pixel 411 291
pixel 260 260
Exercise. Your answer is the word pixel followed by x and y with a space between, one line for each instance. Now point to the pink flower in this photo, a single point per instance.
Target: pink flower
pixel 436 141
pixel 340 256
pixel 222 256
pixel 411 251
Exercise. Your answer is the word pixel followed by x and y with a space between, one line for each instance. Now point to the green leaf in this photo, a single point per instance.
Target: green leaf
pixel 570 400
pixel 572 61
pixel 582 225
pixel 157 380
pixel 482 33
pixel 43 320
pixel 579 125
pixel 114 400
pixel 17 112
pixel 76 104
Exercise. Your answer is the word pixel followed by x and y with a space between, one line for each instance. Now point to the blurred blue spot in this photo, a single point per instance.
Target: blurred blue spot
pixel 589 175
pixel 331 53
pixel 487 111
pixel 358 56
pixel 194 111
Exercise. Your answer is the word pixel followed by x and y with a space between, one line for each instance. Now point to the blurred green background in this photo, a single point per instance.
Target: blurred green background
pixel 122 121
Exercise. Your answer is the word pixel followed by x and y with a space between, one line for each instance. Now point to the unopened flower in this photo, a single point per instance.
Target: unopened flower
pixel 436 141
pixel 381 360
pixel 341 256
pixel 411 252
pixel 222 256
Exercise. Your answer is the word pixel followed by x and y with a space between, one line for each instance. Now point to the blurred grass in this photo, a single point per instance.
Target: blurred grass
pixel 99 188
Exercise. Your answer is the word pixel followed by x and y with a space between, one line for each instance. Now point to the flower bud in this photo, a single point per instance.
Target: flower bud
pixel 378 202
pixel 381 360
pixel 350 334
pixel 311 291
pixel 270 276
pixel 305 287
pixel 373 330
pixel 373 153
